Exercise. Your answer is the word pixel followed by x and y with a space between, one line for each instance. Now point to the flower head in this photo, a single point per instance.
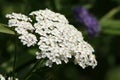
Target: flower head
pixel 28 39
pixel 2 77
pixel 58 41
pixel 91 23
pixel 9 78
pixel 18 16
pixel 24 27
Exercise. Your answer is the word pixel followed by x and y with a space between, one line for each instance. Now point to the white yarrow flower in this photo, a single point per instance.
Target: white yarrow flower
pixel 49 15
pixel 2 77
pixel 21 24
pixel 20 30
pixel 28 39
pixel 9 78
pixel 23 27
pixel 18 16
pixel 58 40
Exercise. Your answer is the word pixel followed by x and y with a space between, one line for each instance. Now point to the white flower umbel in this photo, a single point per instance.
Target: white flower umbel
pixel 23 27
pixel 2 77
pixel 50 15
pixel 18 16
pixel 21 24
pixel 58 41
pixel 9 78
pixel 28 39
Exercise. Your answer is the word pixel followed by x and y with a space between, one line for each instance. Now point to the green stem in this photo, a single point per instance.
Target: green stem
pixel 21 67
pixel 14 63
pixel 33 69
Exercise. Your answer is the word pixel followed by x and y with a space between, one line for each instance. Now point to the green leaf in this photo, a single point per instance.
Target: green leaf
pixel 4 29
pixel 112 32
pixel 111 13
pixel 110 24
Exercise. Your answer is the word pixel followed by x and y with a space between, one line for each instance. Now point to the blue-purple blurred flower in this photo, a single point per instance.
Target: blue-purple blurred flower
pixel 83 16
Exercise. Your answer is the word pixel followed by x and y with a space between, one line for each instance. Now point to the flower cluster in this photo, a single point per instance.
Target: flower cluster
pixel 23 27
pixel 83 16
pixel 9 78
pixel 58 41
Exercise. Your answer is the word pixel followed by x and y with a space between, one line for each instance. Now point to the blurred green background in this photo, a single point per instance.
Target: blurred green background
pixel 106 44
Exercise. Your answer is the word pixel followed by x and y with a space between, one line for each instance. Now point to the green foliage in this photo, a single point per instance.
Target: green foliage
pixel 111 27
pixel 113 74
pixel 4 29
